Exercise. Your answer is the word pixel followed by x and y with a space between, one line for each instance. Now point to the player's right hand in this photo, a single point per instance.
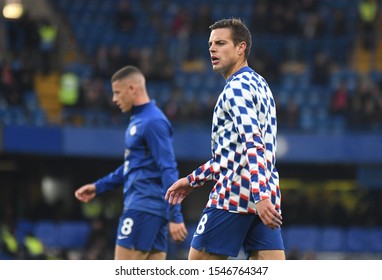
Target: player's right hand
pixel 178 191
pixel 268 214
pixel 178 231
pixel 86 193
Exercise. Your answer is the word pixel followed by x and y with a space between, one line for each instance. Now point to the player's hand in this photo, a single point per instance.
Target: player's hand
pixel 178 191
pixel 86 193
pixel 268 214
pixel 178 231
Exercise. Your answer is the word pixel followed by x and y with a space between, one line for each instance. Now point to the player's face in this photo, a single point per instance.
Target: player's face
pixel 123 94
pixel 224 54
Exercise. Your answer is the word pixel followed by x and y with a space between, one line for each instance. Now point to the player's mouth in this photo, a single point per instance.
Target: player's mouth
pixel 214 60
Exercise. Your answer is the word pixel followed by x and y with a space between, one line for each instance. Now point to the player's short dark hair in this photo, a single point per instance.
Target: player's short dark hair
pixel 239 31
pixel 125 72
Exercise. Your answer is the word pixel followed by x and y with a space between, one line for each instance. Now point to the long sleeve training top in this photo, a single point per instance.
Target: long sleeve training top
pixel 149 168
pixel 243 144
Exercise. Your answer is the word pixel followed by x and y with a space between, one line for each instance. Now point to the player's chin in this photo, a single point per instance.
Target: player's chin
pixel 217 68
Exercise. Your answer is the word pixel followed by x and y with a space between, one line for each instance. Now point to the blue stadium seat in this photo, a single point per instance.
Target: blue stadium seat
pixel 38 117
pixel 47 232
pixel 64 235
pixel 332 239
pixel 356 240
pixel 23 227
pixel 31 101
pixel 73 235
pixel 375 240
pixel 307 120
pixel 14 115
pixel 303 238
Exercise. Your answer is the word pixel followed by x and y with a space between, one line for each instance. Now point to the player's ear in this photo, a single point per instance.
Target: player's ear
pixel 131 87
pixel 242 47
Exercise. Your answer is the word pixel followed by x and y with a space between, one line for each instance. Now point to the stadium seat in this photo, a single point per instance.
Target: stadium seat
pixel 47 232
pixel 356 240
pixel 303 238
pixel 307 121
pixel 331 239
pixel 73 235
pixel 375 240
pixel 22 228
pixel 38 117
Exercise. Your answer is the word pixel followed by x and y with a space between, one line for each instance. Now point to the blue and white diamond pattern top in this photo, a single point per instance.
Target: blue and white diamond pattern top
pixel 243 144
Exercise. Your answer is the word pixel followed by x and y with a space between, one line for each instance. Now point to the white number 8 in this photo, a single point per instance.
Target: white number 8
pixel 127 226
pixel 201 225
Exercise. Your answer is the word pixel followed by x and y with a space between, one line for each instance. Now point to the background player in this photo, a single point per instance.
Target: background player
pixel 148 170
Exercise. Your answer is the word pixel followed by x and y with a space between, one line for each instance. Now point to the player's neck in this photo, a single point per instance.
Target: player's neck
pixel 236 67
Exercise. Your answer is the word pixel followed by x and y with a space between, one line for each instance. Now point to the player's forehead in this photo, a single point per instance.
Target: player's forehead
pixel 220 34
pixel 121 83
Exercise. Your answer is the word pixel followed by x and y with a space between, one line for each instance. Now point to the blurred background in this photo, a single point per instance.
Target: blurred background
pixel 60 130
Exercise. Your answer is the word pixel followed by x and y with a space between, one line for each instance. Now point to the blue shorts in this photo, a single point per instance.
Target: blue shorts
pixel 225 233
pixel 142 231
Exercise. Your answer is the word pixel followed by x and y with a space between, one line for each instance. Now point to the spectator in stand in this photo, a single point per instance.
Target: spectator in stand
pixel 340 31
pixel 133 56
pixel 310 7
pixel 8 242
pixel 366 105
pixel 314 26
pixel 95 97
pixel 181 22
pixel 69 96
pixel 368 14
pixel 180 30
pixel 102 62
pixel 321 69
pixel 9 86
pixel 260 20
pixel 161 65
pixel 199 21
pixel 276 20
pixel 21 35
pixel 117 58
pixel 264 62
pixel 339 103
pixel 291 20
pixel 340 27
pixel 24 72
pixel 97 247
pixel 32 248
pixel 172 106
pixel 48 44
pixel 202 18
pixel 194 109
pixel 125 18
pixel 291 114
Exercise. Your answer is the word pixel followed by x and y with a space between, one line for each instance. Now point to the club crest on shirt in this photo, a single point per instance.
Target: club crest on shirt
pixel 133 130
pixel 127 152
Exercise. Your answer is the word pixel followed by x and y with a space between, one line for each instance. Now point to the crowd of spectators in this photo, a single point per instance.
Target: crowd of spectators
pixel 179 47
